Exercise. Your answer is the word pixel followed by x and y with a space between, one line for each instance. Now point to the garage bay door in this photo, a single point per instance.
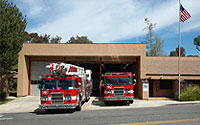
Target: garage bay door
pixel 38 68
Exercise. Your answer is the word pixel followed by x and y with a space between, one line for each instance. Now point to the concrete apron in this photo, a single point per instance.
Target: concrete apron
pixel 30 104
pixel 21 104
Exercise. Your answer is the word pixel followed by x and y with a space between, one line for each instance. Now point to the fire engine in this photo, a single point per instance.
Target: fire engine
pixel 67 87
pixel 118 87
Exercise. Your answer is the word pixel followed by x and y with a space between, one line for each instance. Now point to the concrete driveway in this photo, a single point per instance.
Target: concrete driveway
pixel 30 104
pixel 21 104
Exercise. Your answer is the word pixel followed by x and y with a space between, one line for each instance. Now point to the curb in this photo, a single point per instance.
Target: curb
pixel 192 103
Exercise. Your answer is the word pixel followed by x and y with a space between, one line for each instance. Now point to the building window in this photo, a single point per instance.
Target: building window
pixel 35 81
pixel 166 84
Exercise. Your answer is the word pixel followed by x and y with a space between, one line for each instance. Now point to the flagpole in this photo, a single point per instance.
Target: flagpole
pixel 179 53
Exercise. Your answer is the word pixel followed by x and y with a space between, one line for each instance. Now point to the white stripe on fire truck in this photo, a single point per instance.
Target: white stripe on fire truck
pixel 73 97
pixel 131 91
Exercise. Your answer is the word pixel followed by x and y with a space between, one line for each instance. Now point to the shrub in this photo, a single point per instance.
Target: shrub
pixel 190 93
pixel 13 84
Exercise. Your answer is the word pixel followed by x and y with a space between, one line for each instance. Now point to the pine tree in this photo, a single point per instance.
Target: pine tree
pixel 12 36
pixel 12 30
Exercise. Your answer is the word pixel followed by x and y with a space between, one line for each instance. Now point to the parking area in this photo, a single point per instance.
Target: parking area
pixel 30 104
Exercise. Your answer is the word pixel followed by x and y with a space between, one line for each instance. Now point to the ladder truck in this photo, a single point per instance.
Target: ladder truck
pixel 67 87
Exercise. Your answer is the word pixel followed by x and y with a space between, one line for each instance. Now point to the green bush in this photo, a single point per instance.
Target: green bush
pixel 13 84
pixel 190 93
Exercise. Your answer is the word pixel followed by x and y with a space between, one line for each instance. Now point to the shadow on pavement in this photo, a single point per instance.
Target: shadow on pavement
pixel 60 111
pixel 100 102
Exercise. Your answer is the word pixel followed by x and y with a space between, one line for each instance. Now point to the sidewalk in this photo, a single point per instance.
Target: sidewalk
pixel 21 104
pixel 94 104
pixel 30 104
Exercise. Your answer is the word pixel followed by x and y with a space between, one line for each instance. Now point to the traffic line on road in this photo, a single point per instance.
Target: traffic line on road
pixel 161 122
pixel 5 119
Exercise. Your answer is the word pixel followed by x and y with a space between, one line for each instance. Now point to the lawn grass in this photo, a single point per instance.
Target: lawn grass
pixel 5 101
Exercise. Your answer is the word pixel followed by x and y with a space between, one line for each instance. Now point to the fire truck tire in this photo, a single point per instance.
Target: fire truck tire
pixel 78 108
pixel 107 102
pixel 48 110
pixel 131 101
pixel 88 96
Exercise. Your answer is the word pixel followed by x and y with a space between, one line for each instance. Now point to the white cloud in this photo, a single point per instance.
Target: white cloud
pixel 107 20
pixel 32 8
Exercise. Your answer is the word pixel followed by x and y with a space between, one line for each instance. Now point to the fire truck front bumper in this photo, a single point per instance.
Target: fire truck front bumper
pixel 117 98
pixel 60 106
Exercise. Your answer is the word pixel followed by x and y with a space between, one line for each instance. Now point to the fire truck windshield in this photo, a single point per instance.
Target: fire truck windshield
pixel 48 85
pixel 125 80
pixel 66 84
pixel 61 84
pixel 118 80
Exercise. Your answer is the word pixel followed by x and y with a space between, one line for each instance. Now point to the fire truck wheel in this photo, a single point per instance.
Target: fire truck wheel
pixel 48 110
pixel 88 96
pixel 131 101
pixel 78 108
pixel 107 102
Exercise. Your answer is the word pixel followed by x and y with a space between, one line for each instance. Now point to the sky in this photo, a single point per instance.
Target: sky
pixel 113 21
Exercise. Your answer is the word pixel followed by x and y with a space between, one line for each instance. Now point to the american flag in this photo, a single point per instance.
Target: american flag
pixel 184 15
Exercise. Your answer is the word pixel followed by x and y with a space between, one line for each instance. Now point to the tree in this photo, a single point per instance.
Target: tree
pixel 153 41
pixel 173 53
pixel 79 40
pixel 197 42
pixel 12 29
pixel 56 39
pixel 182 52
pixel 35 38
pixel 12 26
pixel 176 52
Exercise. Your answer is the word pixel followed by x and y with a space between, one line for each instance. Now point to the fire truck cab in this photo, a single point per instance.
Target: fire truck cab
pixel 66 88
pixel 118 87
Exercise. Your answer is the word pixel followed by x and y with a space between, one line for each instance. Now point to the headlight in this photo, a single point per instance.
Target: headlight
pixel 68 97
pixel 44 98
pixel 127 91
pixel 108 92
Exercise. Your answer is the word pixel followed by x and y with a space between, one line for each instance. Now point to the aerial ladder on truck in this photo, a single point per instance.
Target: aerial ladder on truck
pixel 66 88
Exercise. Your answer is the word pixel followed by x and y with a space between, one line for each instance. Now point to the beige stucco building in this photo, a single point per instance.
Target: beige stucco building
pixel 155 76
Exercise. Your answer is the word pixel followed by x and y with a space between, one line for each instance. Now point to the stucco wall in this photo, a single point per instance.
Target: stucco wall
pixel 167 67
pixel 77 52
pixel 161 92
pixel 23 77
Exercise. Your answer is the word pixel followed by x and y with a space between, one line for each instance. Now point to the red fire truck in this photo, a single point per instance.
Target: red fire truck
pixel 66 88
pixel 118 87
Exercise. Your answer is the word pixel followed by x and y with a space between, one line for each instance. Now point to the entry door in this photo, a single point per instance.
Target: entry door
pixel 150 88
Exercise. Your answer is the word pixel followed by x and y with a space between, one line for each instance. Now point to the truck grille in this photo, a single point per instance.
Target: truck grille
pixel 56 98
pixel 118 91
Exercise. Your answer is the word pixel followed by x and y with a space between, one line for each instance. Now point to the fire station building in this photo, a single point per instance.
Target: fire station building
pixel 155 76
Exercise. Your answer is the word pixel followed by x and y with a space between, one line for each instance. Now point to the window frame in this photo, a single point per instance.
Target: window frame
pixel 166 84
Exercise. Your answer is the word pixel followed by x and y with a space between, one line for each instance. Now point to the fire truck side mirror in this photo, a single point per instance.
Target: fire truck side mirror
pixel 102 83
pixel 39 86
pixel 79 84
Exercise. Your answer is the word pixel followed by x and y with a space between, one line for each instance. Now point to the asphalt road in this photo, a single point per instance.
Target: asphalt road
pixel 175 114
